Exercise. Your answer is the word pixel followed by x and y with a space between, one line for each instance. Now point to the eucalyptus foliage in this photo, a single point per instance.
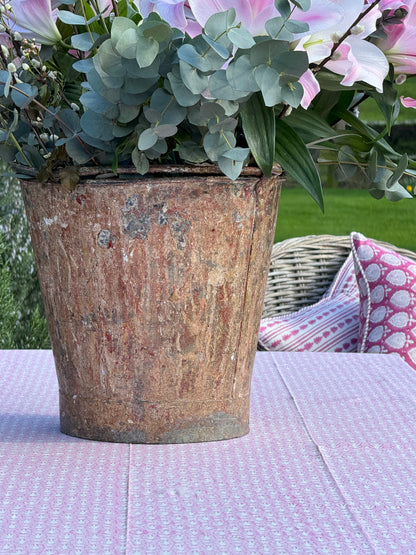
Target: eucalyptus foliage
pixel 138 91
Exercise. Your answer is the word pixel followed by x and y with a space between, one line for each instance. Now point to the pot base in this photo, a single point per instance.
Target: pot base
pixel 184 422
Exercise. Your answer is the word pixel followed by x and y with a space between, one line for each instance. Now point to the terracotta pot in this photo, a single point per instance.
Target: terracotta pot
pixel 153 289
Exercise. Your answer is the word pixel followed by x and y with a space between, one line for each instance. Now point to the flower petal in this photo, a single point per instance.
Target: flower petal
pixel 35 19
pixel 360 60
pixel 408 102
pixel 310 88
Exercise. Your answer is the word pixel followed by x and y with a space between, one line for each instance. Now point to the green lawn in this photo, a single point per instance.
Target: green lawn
pixel 347 210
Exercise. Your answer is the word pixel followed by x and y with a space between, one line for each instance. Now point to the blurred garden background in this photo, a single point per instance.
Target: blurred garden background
pixel 22 324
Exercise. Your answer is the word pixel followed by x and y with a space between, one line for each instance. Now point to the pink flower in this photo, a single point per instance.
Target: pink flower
pixel 400 44
pixel 310 88
pixel 408 102
pixel 359 60
pixel 355 58
pixel 35 19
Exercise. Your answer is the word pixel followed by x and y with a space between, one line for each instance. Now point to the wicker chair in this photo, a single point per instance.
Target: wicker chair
pixel 303 268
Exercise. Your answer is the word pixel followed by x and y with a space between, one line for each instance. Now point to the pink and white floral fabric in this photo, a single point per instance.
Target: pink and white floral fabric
pixel 331 324
pixel 387 284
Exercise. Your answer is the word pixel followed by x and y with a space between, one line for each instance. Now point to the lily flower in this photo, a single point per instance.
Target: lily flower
pixel 355 58
pixel 35 19
pixel 359 60
pixel 400 45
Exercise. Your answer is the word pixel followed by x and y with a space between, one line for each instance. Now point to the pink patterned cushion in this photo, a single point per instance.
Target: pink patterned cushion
pixel 328 325
pixel 387 284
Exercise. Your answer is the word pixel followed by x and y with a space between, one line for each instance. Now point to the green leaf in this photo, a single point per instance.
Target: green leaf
pixel 147 50
pixel 83 66
pixel 297 26
pixel 84 41
pixel 183 95
pixel 309 125
pixel 97 125
pixel 398 172
pixel 135 71
pixel 126 45
pixel 108 61
pixel 220 87
pixel 165 130
pixel 276 28
pixel 292 93
pixel 372 165
pixel 215 144
pixel 219 23
pixel 240 37
pixel 71 18
pixel 5 77
pixel 238 154
pixel 104 145
pixel 267 79
pixel 192 78
pixel 292 154
pixel 119 26
pixel 147 139
pixel 303 5
pixel 231 168
pixel 140 161
pixel 240 75
pixel 99 104
pixel 332 82
pixel 127 113
pixel 227 124
pixel 267 51
pixel 152 116
pixel 167 106
pixel 283 7
pixel 293 64
pixel 77 151
pixel 189 54
pixel 70 120
pixel 397 192
pixel 132 99
pixel 7 152
pixel 191 152
pixel 362 128
pixel 259 129
pixel 219 48
pixel 347 161
pixel 22 94
pixel 387 103
pixel 157 30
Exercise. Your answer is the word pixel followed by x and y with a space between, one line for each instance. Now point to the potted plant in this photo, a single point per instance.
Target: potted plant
pixel 153 133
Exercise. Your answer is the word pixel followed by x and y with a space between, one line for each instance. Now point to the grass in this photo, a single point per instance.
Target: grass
pixel 347 210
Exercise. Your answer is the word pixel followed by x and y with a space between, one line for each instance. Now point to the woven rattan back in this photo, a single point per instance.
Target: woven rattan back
pixel 303 268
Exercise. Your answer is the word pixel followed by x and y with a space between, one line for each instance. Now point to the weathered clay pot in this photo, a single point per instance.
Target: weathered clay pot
pixel 153 289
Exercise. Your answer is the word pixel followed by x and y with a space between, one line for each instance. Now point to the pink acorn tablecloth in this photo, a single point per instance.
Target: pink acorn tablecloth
pixel 328 467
